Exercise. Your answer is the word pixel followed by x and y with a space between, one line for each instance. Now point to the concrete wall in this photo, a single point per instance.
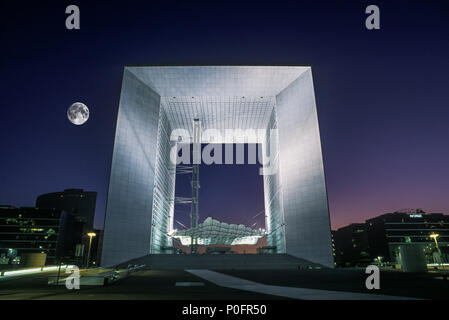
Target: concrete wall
pixel 302 182
pixel 130 198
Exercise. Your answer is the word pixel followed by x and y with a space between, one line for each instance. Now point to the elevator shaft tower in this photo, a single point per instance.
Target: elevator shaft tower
pixel 194 217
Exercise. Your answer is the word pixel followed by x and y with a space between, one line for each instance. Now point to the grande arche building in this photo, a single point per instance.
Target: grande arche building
pixel 158 99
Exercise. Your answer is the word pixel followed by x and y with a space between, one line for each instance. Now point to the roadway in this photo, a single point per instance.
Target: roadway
pixel 161 285
pixel 145 284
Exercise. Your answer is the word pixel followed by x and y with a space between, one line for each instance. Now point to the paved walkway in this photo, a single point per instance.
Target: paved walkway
pixel 289 292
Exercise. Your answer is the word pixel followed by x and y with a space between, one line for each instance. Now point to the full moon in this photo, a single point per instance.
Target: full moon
pixel 78 113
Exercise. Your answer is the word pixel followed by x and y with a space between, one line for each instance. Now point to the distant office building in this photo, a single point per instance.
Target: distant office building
pixel 74 201
pixel 379 239
pixel 37 230
pixel 60 235
pixel 351 245
pixel 80 204
pixel 409 227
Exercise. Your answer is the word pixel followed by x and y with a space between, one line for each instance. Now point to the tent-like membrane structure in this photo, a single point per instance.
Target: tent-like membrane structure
pixel 215 232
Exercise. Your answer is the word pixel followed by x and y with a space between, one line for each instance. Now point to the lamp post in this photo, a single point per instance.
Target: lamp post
pixel 91 235
pixel 435 236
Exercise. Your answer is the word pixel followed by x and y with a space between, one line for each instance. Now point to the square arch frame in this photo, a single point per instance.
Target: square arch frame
pixel 158 99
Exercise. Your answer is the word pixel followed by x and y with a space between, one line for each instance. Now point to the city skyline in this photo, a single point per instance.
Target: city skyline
pixel 381 95
pixel 182 212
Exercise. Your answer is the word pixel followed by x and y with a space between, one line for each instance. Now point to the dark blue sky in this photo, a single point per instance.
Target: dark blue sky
pixel 382 95
pixel 232 193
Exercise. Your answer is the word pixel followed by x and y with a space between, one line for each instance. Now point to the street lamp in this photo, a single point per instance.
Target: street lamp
pixel 91 235
pixel 435 236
